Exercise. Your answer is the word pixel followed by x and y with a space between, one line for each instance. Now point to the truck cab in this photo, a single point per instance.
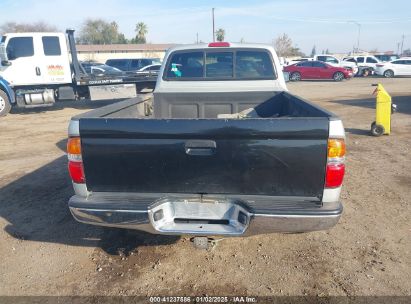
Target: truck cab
pixel 366 63
pixel 29 59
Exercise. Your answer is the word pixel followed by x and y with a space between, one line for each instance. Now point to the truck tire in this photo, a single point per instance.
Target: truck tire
pixel 377 130
pixel 5 105
pixel 338 76
pixel 389 74
pixel 295 76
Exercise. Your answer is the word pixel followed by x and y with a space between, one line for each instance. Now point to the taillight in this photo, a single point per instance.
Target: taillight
pixel 75 164
pixel 76 172
pixel 334 175
pixel 336 149
pixel 335 163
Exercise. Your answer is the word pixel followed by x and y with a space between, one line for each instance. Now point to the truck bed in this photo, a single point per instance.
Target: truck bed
pixel 280 153
pixel 206 176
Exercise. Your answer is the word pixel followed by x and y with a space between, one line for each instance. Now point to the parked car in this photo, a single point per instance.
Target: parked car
pixel 399 67
pixel 104 70
pixel 317 70
pixel 215 156
pixel 132 65
pixel 87 63
pixel 334 61
pixel 366 64
pixel 294 61
pixel 151 69
pixel 386 58
pixel 97 68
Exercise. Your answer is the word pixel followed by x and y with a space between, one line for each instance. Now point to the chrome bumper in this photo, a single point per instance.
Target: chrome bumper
pixel 194 215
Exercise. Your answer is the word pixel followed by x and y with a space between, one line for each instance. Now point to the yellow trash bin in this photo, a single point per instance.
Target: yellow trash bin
pixel 382 123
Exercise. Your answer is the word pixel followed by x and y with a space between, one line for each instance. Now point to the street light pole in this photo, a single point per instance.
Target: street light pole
pixel 359 33
pixel 213 24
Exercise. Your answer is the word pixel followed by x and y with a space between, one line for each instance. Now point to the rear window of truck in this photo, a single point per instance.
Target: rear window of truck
pixel 219 65
pixel 51 46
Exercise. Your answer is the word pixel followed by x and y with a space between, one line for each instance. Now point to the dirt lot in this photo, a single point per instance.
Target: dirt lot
pixel 44 251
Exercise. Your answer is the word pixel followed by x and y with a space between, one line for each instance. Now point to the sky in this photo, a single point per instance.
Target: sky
pixel 326 24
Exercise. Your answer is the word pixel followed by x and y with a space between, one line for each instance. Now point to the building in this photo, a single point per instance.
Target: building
pixel 102 52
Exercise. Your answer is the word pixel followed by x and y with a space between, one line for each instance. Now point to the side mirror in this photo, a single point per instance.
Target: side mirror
pixel 5 63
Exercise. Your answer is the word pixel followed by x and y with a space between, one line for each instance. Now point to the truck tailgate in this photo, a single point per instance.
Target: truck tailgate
pixel 275 157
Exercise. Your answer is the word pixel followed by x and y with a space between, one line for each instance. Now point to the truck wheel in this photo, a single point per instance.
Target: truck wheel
pixel 377 130
pixel 5 105
pixel 295 76
pixel 389 74
pixel 338 76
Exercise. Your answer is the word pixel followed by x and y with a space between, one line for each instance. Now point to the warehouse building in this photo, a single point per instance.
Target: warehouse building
pixel 102 52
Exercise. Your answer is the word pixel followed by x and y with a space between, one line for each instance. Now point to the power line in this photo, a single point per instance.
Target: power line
pixel 317 20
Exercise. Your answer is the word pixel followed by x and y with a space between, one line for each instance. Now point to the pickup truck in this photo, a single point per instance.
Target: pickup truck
pixel 222 149
pixel 337 62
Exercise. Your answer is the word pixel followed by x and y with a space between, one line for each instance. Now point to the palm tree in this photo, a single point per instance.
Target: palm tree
pixel 220 33
pixel 141 32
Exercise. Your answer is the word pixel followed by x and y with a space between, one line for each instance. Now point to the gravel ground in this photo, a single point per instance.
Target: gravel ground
pixel 44 251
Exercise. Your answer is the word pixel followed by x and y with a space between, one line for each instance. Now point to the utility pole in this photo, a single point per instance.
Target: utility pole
pixel 213 24
pixel 197 38
pixel 402 43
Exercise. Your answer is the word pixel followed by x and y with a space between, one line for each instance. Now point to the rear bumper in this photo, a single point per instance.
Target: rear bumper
pixel 211 216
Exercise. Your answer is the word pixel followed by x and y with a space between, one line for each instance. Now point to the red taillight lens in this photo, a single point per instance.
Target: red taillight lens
pixel 335 163
pixel 76 172
pixel 219 44
pixel 75 164
pixel 334 175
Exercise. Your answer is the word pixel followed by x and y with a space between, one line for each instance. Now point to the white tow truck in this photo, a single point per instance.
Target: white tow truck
pixel 41 68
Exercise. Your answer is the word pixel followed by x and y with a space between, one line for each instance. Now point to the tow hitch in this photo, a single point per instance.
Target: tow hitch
pixel 205 243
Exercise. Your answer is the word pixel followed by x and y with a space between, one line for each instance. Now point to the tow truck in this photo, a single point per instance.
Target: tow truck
pixel 38 69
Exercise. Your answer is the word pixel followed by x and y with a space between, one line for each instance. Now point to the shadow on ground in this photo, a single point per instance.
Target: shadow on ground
pixel 356 131
pixel 403 103
pixel 35 207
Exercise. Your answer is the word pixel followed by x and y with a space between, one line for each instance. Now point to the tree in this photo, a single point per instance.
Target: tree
pixel 13 27
pixel 99 31
pixel 220 34
pixel 313 51
pixel 327 51
pixel 141 32
pixel 284 47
